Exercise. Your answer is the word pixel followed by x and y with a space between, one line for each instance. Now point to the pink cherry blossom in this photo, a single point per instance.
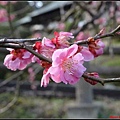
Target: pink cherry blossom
pixel 61 39
pixel 45 78
pixel 17 59
pixel 67 66
pixel 36 48
pixel 46 48
pixel 88 56
pixel 96 47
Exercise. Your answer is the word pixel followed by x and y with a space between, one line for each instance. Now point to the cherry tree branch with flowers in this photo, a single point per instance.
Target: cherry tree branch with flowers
pixel 63 61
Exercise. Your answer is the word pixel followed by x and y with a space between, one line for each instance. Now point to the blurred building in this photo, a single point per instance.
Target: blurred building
pixel 47 13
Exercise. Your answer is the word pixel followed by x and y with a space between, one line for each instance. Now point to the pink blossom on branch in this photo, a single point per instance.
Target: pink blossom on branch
pixel 88 56
pixel 96 47
pixel 44 47
pixel 36 48
pixel 45 78
pixel 61 39
pixel 67 66
pixel 17 59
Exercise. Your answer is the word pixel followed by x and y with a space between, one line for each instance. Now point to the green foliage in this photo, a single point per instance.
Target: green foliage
pixel 39 107
pixel 33 107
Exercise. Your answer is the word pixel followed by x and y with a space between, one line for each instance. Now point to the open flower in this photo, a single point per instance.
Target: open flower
pixel 61 39
pixel 45 48
pixel 17 59
pixel 88 56
pixel 67 66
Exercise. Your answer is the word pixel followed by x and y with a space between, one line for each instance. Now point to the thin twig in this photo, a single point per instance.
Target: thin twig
pixel 41 57
pixel 7 40
pixel 111 34
pixel 101 80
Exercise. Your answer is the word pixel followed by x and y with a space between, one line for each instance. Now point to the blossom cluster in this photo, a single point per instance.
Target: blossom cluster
pixel 67 60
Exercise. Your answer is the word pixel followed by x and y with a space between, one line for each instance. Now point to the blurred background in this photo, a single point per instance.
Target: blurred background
pixel 20 93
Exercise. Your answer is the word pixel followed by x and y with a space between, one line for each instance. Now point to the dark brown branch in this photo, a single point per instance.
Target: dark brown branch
pixel 101 80
pixel 28 48
pixel 111 34
pixel 16 46
pixel 41 57
pixel 7 40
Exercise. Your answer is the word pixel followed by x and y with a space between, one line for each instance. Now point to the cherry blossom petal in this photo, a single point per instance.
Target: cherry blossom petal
pixel 14 65
pixel 58 56
pixel 26 55
pixel 55 74
pixel 70 78
pixel 45 79
pixel 88 56
pixel 71 50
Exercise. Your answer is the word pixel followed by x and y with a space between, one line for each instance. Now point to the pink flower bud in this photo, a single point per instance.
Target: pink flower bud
pixel 94 74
